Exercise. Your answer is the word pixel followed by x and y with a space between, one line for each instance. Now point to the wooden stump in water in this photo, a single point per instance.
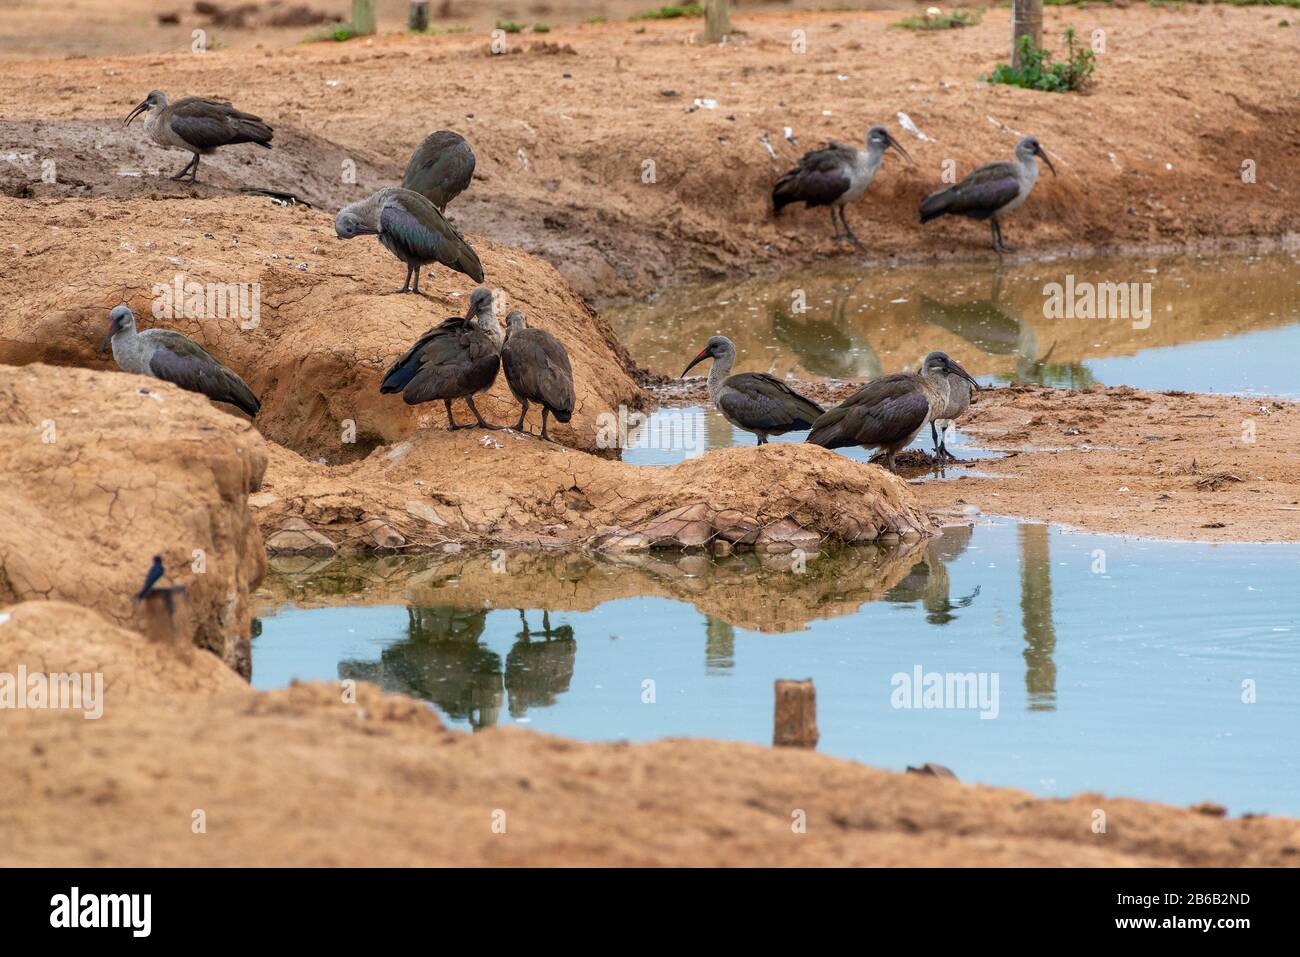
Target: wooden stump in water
pixel 796 714
pixel 167 616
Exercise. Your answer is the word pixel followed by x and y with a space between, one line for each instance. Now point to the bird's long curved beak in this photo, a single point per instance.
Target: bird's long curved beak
pixel 704 354
pixel 107 342
pixel 899 146
pixel 469 313
pixel 1046 159
pixel 955 366
pixel 140 108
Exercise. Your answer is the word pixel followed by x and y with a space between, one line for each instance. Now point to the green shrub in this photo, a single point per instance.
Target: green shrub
pixel 1038 72
pixel 945 21
pixel 510 26
pixel 338 32
pixel 671 13
pixel 541 28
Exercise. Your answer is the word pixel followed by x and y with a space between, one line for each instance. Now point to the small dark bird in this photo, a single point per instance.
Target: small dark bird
pixel 440 168
pixel 754 401
pixel 888 412
pixel 456 359
pixel 198 125
pixel 411 228
pixel 151 579
pixel 991 191
pixel 538 370
pixel 835 176
pixel 166 354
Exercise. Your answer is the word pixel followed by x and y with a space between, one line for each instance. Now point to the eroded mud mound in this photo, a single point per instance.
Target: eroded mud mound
pixel 438 488
pixel 102 472
pixel 325 328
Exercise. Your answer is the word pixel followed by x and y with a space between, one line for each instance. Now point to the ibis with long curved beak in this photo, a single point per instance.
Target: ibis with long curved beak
pixel 991 191
pixel 197 125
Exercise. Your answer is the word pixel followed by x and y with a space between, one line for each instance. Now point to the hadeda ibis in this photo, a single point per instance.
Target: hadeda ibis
pixel 198 125
pixel 456 359
pixel 411 228
pixel 835 176
pixel 166 354
pixel 991 191
pixel 753 401
pixel 440 168
pixel 888 412
pixel 537 368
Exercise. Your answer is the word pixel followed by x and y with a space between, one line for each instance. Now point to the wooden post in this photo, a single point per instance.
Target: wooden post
pixel 796 714
pixel 717 20
pixel 363 17
pixel 418 19
pixel 1026 20
pixel 167 616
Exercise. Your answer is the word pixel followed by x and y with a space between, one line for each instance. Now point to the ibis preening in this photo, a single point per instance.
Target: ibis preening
pixel 991 191
pixel 456 359
pixel 411 228
pixel 959 391
pixel 537 368
pixel 440 168
pixel 198 125
pixel 166 354
pixel 753 401
pixel 835 176
pixel 888 412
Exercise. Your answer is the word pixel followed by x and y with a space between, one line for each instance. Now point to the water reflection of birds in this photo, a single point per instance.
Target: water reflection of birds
pixel 824 346
pixel 928 580
pixel 538 670
pixel 998 329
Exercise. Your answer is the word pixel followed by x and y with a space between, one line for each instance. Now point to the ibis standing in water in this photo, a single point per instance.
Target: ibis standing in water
pixel 456 359
pixel 888 412
pixel 198 125
pixel 753 401
pixel 835 176
pixel 166 354
pixel 440 168
pixel 991 191
pixel 412 229
pixel 537 367
pixel 959 392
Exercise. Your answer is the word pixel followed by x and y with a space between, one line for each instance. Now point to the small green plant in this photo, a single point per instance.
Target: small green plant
pixel 1038 72
pixel 337 32
pixel 541 28
pixel 510 26
pixel 671 13
pixel 945 21
pixel 596 20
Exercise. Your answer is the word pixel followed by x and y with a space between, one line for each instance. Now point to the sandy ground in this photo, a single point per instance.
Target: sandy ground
pixel 593 154
pixel 229 776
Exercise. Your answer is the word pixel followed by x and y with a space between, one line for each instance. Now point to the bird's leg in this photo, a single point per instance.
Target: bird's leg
pixel 451 421
pixel 998 245
pixel 482 422
pixel 835 223
pixel 406 286
pixel 762 439
pixel 523 411
pixel 889 461
pixel 545 436
pixel 849 234
pixel 192 164
pixel 934 437
pixel 194 170
pixel 416 288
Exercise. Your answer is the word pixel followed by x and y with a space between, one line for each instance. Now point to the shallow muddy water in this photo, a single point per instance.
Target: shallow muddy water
pixel 1167 671
pixel 1220 324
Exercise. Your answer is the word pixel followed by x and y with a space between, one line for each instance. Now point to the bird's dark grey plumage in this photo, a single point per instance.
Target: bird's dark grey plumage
pixel 440 168
pixel 411 228
pixel 198 125
pixel 152 578
pixel 754 401
pixel 166 354
pixel 991 191
pixel 889 411
pixel 959 394
pixel 835 176
pixel 456 359
pixel 538 370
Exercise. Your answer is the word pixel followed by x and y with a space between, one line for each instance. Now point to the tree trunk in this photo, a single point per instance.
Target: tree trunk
pixel 363 17
pixel 418 19
pixel 1026 20
pixel 717 20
